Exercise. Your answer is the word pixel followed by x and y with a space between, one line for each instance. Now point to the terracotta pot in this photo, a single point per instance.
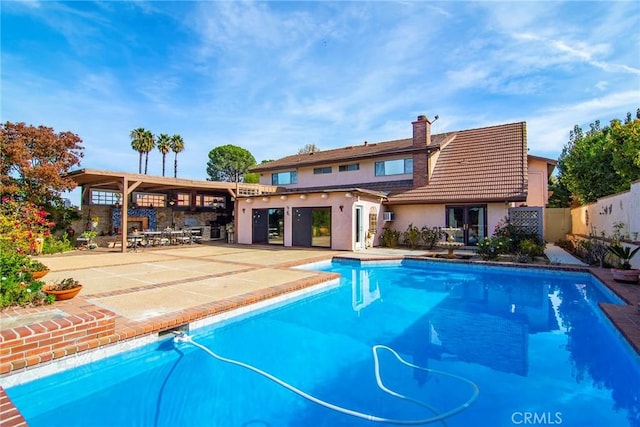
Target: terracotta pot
pixel 627 276
pixel 62 295
pixel 39 274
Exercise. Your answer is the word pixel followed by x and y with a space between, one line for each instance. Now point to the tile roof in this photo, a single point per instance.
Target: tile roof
pixel 479 165
pixel 347 153
pixel 475 165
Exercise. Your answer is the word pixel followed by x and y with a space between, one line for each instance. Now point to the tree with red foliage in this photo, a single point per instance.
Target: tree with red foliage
pixel 34 162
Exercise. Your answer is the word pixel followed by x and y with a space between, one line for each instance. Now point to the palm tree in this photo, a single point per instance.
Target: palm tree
pixel 164 145
pixel 148 144
pixel 177 145
pixel 137 136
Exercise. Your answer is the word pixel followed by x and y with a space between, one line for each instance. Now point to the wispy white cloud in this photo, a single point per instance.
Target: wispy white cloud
pixel 548 128
pixel 274 76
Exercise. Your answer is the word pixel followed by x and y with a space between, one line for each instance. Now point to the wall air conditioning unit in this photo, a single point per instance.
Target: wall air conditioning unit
pixel 388 216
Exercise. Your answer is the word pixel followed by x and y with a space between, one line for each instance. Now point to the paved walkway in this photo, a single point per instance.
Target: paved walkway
pixel 557 255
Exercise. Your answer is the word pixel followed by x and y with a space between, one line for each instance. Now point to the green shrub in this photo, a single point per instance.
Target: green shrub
pixel 53 245
pixel 515 235
pixel 17 287
pixel 390 238
pixel 412 236
pixel 430 236
pixel 528 250
pixel 492 247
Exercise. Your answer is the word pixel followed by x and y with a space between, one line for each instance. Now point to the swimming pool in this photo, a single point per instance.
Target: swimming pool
pixel 534 342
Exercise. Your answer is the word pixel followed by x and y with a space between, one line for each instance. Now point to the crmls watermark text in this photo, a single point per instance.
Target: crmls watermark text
pixel 536 418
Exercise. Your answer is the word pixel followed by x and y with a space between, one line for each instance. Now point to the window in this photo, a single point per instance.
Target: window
pixel 284 178
pixel 351 167
pixel 149 199
pixel 394 167
pixel 373 221
pixel 208 201
pixel 182 199
pixel 105 197
pixel 319 171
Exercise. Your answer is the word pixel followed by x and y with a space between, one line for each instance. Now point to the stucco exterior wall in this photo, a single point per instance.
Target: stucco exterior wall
pixel 342 220
pixel 434 216
pixel 607 211
pixel 538 188
pixel 366 173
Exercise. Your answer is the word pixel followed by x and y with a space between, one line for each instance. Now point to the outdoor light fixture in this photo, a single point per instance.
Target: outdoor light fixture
pixel 324 195
pixel 172 202
pixel 348 195
pixel 341 208
pixel 265 199
pixel 283 197
pixel 248 200
pixel 303 196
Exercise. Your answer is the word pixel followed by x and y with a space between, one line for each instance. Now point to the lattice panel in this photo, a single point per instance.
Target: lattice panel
pixel 529 220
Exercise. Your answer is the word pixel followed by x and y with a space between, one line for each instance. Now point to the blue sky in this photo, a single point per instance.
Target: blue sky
pixel 272 77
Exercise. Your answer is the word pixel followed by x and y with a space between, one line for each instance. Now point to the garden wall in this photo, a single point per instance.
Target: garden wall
pixel 607 211
pixel 557 223
pixel 602 215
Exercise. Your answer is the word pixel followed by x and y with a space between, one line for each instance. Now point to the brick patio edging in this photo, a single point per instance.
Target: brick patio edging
pixel 41 342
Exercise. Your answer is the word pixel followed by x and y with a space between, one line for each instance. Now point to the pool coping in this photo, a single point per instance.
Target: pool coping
pixel 625 317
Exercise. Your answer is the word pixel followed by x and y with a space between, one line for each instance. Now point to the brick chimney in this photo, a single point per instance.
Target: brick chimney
pixel 421 139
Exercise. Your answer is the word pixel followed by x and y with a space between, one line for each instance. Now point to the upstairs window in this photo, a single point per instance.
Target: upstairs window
pixel 284 178
pixel 394 167
pixel 350 167
pixel 319 171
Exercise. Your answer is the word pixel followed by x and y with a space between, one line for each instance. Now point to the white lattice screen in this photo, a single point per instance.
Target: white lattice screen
pixel 527 219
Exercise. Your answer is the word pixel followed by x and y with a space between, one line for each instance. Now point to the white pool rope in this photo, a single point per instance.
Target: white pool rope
pixel 182 337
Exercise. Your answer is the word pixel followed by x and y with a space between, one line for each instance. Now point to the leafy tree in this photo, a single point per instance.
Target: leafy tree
pixel 625 146
pixel 177 145
pixel 602 161
pixel 229 163
pixel 309 148
pixel 34 162
pixel 561 197
pixel 251 178
pixel 164 146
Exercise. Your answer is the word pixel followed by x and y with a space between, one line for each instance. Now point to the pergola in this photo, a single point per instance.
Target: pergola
pixel 126 183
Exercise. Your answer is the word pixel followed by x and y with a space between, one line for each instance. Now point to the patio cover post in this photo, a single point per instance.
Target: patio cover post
pixel 123 215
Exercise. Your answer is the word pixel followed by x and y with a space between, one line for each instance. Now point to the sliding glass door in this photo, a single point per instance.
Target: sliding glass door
pixel 471 220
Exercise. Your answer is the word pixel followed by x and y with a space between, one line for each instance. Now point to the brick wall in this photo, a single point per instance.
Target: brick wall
pixel 421 139
pixel 41 342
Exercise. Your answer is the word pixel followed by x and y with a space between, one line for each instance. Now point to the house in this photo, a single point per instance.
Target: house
pixel 343 198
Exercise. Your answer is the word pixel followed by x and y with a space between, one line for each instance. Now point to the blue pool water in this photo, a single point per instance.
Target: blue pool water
pixel 535 343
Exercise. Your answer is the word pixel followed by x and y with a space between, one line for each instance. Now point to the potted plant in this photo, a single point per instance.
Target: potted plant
pixel 624 272
pixel 37 269
pixel 64 289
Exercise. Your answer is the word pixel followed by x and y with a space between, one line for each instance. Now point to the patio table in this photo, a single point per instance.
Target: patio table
pixel 134 241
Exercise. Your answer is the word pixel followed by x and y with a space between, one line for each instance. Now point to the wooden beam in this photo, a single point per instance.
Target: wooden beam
pixel 123 214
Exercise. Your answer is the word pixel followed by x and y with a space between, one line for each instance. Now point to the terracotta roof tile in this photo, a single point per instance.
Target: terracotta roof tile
pixel 487 164
pixel 476 165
